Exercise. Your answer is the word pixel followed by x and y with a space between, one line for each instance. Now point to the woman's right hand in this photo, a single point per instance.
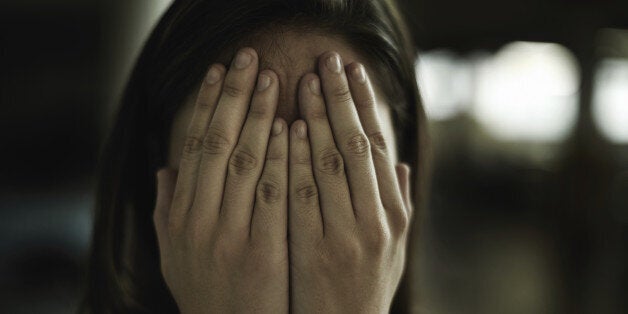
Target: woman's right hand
pixel 222 221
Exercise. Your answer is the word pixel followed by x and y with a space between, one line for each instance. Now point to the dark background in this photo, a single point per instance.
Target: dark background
pixel 514 225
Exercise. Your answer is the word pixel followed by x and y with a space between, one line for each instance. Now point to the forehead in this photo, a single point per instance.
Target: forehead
pixel 291 55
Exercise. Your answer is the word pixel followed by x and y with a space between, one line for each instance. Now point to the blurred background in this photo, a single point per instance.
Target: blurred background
pixel 528 110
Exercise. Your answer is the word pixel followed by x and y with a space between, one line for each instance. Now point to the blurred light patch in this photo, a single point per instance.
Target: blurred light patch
pixel 610 99
pixel 528 92
pixel 446 83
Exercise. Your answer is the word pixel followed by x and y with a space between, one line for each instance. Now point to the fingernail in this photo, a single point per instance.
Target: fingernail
pixel 359 74
pixel 302 130
pixel 263 81
pixel 243 60
pixel 213 75
pixel 333 63
pixel 315 86
pixel 277 127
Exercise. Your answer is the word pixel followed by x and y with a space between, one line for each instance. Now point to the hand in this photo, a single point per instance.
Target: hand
pixel 222 227
pixel 349 208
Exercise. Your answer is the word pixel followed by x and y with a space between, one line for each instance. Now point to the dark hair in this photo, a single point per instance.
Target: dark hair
pixel 123 271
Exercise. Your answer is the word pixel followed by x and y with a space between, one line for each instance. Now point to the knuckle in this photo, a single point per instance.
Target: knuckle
pixel 378 238
pixel 192 145
pixel 242 162
pixel 276 156
pixel 378 144
pixel 325 257
pixel 256 264
pixel 264 219
pixel 331 162
pixel 203 104
pixel 216 142
pixel 358 145
pixel 367 103
pixel 307 192
pixel 157 217
pixel 400 218
pixel 233 90
pixel 316 112
pixel 338 254
pixel 161 224
pixel 263 259
pixel 350 254
pixel 269 192
pixel 175 228
pixel 177 199
pixel 260 111
pixel 222 251
pixel 195 236
pixel 303 160
pixel 342 94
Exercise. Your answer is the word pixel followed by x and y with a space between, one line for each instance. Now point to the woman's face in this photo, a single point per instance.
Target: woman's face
pixel 291 55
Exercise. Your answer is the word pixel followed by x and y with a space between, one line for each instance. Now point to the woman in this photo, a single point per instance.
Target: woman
pixel 283 171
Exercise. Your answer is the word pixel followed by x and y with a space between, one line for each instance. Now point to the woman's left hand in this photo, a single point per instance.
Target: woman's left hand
pixel 349 205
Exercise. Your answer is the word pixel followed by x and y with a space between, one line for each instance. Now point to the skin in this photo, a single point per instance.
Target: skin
pixel 291 57
pixel 257 214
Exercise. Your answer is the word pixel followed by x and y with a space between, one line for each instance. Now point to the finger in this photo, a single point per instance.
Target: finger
pixel 192 149
pixel 222 134
pixel 166 181
pixel 364 98
pixel 247 160
pixel 403 174
pixel 328 165
pixel 350 138
pixel 305 220
pixel 270 216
